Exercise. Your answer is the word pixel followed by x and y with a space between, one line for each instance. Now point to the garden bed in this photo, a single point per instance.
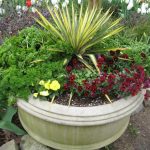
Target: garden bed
pixel 13 23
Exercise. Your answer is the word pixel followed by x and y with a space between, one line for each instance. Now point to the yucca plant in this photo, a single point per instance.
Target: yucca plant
pixel 81 30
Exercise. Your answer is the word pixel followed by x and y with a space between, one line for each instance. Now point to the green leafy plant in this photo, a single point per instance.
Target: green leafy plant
pixel 134 131
pixel 80 31
pixel 141 29
pixel 6 121
pixel 138 50
pixel 24 61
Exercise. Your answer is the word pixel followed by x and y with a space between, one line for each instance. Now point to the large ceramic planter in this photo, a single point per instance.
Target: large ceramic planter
pixel 77 128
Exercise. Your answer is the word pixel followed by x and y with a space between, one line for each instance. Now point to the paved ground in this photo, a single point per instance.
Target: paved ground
pixel 137 137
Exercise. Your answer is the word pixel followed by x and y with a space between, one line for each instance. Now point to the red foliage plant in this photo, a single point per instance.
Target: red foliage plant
pixel 112 80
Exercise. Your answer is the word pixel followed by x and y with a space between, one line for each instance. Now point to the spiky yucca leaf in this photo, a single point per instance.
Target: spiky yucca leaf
pixel 94 61
pixel 80 31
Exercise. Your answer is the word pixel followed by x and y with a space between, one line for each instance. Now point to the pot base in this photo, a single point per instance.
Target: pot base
pixel 76 128
pixel 111 132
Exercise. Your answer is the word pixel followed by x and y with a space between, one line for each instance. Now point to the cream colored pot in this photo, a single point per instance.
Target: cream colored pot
pixel 76 128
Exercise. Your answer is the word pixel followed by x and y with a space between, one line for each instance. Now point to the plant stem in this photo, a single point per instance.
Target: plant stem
pixel 107 97
pixel 71 94
pixel 53 98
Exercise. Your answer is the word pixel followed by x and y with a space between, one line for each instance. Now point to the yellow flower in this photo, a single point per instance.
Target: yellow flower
pixel 44 93
pixel 55 85
pixel 35 94
pixel 47 85
pixel 42 82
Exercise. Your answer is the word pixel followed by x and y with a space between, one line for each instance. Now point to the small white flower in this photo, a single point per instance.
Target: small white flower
pixel 148 10
pixel 1 2
pixel 144 8
pixel 18 7
pixel 33 2
pixel 54 2
pixel 44 93
pixel 56 6
pixel 145 5
pixel 19 13
pixel 67 2
pixel 127 1
pixel 139 10
pixel 64 4
pixel 2 11
pixel 33 9
pixel 24 8
pixel 130 5
pixel 79 1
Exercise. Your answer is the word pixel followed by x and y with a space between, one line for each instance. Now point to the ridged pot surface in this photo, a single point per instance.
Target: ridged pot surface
pixel 76 128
